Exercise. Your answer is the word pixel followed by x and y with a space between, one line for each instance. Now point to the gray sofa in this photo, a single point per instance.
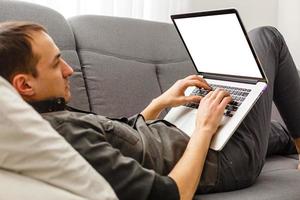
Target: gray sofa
pixel 122 64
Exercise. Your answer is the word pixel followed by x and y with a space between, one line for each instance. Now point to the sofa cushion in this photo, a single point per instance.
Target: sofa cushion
pixel 31 147
pixel 278 180
pixel 125 69
pixel 60 31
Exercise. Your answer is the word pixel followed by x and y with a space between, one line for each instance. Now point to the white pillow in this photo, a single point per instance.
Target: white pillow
pixel 16 187
pixel 31 147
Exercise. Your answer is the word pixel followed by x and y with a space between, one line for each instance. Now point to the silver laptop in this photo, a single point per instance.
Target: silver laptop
pixel 222 54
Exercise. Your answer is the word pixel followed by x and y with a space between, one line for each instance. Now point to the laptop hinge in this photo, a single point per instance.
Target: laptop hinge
pixel 232 78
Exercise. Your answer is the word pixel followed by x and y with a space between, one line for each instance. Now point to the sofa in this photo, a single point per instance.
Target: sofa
pixel 121 64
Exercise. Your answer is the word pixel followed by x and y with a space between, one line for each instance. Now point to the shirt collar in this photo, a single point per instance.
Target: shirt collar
pixel 49 105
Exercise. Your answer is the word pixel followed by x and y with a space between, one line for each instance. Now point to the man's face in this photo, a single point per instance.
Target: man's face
pixel 53 71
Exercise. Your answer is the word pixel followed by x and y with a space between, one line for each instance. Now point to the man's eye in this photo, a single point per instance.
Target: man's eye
pixel 56 64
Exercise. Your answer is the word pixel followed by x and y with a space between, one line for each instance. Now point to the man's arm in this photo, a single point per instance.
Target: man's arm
pixel 297 144
pixel 174 96
pixel 153 110
pixel 187 172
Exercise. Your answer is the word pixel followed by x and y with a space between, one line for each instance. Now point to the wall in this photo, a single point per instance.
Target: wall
pixel 283 14
pixel 289 25
pixel 253 12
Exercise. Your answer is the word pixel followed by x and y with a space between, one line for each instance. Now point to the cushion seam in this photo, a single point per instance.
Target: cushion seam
pixel 142 60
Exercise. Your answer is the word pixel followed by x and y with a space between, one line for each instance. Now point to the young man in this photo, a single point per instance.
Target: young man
pixel 155 160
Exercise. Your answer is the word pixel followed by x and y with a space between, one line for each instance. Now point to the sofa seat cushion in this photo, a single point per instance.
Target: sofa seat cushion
pixel 278 180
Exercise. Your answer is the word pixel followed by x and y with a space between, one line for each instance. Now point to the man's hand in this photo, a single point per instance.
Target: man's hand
pixel 187 172
pixel 211 110
pixel 174 96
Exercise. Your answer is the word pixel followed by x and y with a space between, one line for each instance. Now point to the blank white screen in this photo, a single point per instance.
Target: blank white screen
pixel 218 45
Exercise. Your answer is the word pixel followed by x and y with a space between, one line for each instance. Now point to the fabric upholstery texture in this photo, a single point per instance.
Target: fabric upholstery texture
pixel 279 180
pixel 60 31
pixel 31 147
pixel 116 59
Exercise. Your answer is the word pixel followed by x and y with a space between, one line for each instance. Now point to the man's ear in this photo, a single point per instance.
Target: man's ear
pixel 22 83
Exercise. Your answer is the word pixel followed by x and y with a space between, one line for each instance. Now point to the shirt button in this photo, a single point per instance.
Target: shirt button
pixel 108 126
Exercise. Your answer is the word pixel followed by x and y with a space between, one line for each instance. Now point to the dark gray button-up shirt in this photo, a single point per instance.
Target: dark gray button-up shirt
pixel 134 156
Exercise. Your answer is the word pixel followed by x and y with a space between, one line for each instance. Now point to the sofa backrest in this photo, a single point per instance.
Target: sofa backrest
pixel 60 31
pixel 119 64
pixel 127 62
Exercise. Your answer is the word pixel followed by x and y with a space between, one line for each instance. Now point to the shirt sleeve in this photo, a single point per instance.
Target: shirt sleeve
pixel 164 188
pixel 126 176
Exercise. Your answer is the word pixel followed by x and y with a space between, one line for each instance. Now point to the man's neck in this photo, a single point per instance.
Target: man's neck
pixel 49 105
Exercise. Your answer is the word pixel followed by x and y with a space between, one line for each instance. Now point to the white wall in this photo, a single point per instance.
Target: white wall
pixel 289 25
pixel 283 14
pixel 253 12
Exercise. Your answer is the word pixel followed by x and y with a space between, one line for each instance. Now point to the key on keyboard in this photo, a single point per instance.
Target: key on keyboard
pixel 238 96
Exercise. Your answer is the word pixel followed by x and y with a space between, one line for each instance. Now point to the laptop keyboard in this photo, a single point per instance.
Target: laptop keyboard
pixel 238 96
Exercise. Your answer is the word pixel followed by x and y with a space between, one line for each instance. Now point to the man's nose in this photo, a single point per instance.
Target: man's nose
pixel 67 70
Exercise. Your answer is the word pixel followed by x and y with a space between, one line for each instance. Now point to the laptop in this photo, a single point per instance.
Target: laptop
pixel 222 54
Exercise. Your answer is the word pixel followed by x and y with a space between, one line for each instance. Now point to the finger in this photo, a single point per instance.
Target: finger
pixel 226 100
pixel 209 95
pixel 221 95
pixel 215 93
pixel 202 79
pixel 197 83
pixel 191 77
pixel 206 85
pixel 197 77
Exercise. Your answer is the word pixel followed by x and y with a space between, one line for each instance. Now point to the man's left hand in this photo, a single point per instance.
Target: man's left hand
pixel 174 96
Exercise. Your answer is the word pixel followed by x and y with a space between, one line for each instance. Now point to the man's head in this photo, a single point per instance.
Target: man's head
pixel 32 63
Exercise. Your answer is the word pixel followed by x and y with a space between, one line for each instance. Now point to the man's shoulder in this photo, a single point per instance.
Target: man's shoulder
pixel 69 117
pixel 75 126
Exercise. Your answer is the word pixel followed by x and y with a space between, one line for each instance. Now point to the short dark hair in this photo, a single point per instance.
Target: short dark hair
pixel 16 54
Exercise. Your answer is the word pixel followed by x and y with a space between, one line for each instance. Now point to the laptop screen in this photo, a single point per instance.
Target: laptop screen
pixel 217 44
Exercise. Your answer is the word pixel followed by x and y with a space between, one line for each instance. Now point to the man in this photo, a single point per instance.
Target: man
pixel 125 150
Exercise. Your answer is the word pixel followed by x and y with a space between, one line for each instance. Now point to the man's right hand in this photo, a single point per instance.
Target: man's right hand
pixel 297 144
pixel 187 172
pixel 211 110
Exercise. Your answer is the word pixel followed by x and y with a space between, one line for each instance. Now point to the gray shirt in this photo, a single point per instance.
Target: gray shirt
pixel 133 155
